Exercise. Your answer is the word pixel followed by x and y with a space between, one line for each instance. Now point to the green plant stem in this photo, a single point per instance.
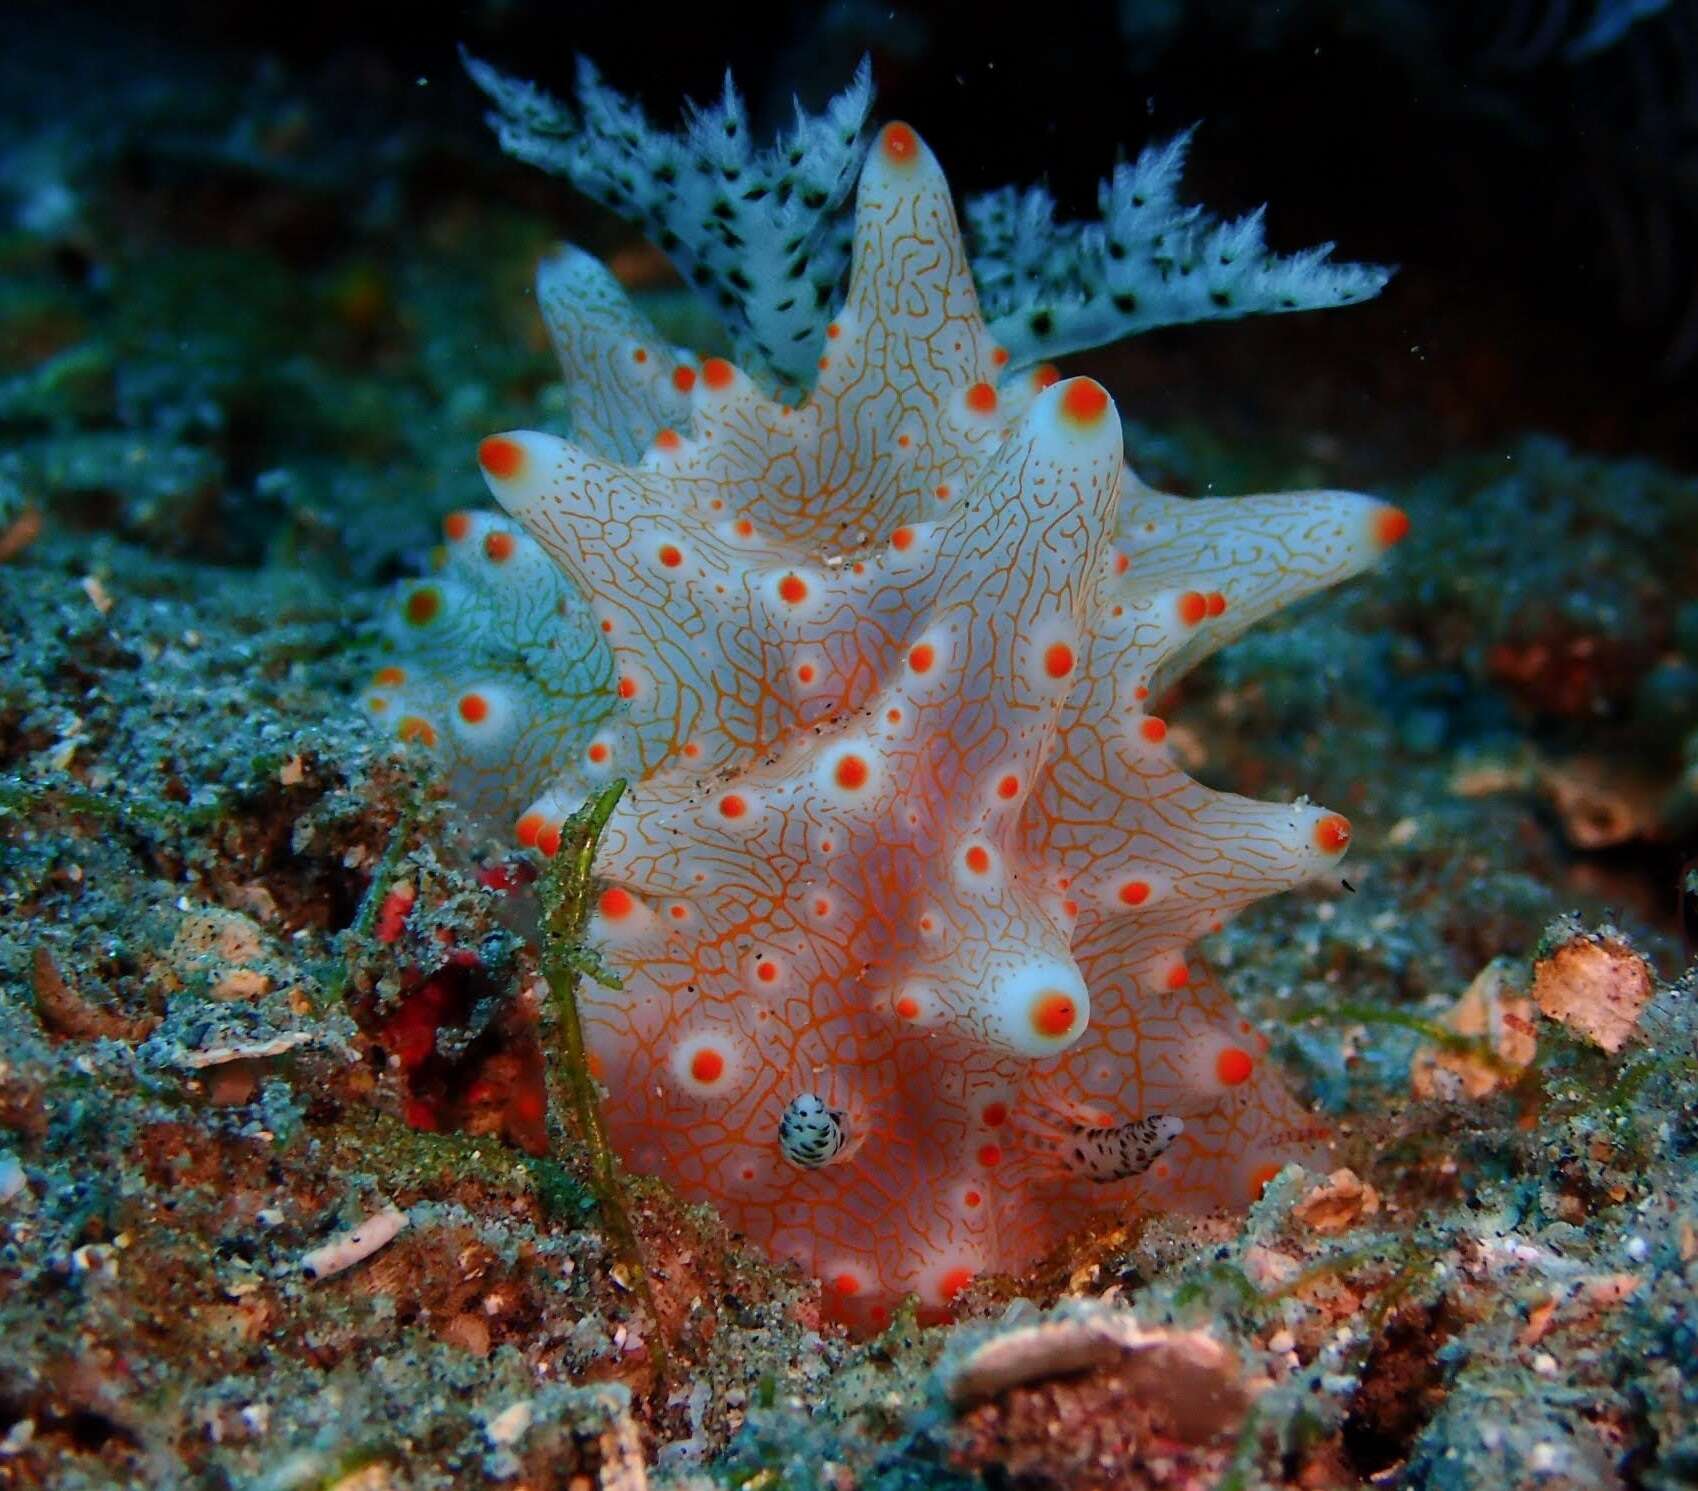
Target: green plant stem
pixel 567 888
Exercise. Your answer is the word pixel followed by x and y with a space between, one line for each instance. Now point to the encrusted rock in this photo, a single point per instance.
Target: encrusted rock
pixel 1596 986
pixel 223 944
pixel 216 932
pixel 1088 1397
pixel 1196 1380
pixel 1498 1017
pixel 1338 1203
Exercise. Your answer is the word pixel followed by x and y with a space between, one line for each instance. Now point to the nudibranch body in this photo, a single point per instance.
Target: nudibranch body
pixel 902 888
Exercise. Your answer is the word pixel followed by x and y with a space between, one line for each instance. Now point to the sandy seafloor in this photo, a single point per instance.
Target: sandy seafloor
pixel 250 333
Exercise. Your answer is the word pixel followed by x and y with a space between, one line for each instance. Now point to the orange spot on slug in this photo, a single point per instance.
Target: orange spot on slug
pixel 502 458
pixel 900 144
pixel 1391 526
pixel 1058 660
pixel 1233 1066
pixel 1085 402
pixel 1053 1015
pixel 851 773
pixel 1333 834
pixel 953 1282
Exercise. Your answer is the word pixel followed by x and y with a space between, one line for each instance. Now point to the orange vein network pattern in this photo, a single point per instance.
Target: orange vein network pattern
pixel 902 890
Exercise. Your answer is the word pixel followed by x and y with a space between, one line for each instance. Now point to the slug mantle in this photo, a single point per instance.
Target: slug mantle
pixel 902 890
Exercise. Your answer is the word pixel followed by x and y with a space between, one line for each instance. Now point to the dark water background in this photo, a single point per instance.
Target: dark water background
pixel 1543 209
